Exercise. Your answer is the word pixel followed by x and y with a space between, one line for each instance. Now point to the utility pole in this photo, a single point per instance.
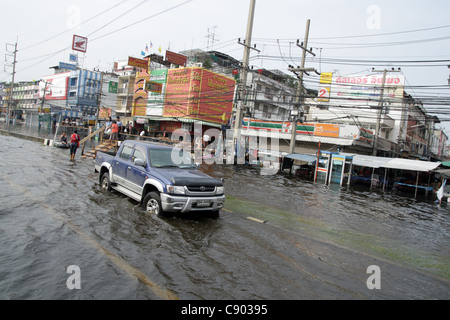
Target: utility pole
pixel 299 97
pixel 243 80
pixel 99 98
pixel 380 108
pixel 12 83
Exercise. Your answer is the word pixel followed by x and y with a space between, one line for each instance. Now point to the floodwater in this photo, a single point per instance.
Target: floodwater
pixel 317 242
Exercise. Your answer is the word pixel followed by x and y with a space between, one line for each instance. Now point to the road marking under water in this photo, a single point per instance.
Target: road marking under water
pixel 256 220
pixel 119 262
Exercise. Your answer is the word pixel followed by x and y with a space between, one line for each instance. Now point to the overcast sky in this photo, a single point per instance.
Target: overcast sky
pixel 347 36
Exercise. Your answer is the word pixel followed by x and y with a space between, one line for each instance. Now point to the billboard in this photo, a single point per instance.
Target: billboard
pixel 176 58
pixel 55 86
pixel 313 129
pixel 200 94
pixel 155 99
pixel 366 89
pixel 138 63
pixel 324 88
pixel 326 130
pixel 105 113
pixel 140 96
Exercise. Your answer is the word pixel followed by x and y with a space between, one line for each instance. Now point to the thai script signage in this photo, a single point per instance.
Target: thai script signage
pixel 197 93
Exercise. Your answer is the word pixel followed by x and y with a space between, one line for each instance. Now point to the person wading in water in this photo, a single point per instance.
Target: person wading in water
pixel 74 144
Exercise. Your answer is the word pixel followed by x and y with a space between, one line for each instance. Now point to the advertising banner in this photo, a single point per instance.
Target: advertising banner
pixel 178 95
pixel 138 63
pixel 104 113
pixel 139 111
pixel 140 96
pixel 366 90
pixel 112 88
pixel 176 58
pixel 68 66
pixel 326 130
pixel 324 88
pixel 216 97
pixel 156 99
pixel 153 86
pixel 55 86
pixel 199 94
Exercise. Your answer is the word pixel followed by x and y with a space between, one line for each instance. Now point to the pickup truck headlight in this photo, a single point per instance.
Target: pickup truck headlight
pixel 175 189
pixel 220 190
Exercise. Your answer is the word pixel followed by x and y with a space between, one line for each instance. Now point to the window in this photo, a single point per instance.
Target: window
pixel 165 158
pixel 138 154
pixel 126 152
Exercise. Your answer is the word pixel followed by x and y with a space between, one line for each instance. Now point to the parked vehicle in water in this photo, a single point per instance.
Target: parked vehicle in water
pixel 162 178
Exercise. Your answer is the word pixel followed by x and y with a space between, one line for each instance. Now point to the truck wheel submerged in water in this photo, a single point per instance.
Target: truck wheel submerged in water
pixel 105 183
pixel 152 203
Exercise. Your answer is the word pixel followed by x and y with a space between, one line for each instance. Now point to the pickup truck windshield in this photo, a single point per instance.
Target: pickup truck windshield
pixel 162 158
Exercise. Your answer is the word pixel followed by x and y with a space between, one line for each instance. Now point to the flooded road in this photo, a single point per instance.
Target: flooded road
pixel 317 242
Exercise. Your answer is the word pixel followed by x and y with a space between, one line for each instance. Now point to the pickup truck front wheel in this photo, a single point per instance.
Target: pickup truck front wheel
pixel 152 203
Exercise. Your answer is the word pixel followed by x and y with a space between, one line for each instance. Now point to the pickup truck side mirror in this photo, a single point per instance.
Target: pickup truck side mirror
pixel 139 162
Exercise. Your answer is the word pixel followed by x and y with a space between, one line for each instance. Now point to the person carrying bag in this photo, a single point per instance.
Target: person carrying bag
pixel 74 144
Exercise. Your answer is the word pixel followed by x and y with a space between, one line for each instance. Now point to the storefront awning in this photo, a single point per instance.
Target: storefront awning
pixel 393 163
pixel 302 157
pixel 413 165
pixel 370 161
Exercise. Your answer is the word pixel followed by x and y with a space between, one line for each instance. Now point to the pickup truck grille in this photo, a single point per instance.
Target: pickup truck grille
pixel 202 189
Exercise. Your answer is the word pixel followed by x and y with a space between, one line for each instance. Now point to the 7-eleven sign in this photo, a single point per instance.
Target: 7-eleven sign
pixel 79 43
pixel 286 127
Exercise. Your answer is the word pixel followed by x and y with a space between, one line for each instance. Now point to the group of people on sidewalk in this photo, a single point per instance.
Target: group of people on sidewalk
pixel 113 127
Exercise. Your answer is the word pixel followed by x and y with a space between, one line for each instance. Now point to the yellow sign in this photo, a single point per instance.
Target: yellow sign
pixel 139 111
pixel 325 77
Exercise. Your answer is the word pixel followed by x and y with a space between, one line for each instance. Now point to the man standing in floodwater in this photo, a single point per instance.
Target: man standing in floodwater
pixel 74 144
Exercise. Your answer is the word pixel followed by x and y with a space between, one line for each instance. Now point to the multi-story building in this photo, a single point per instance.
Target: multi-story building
pixel 438 145
pixel 83 92
pixel 26 95
pixel 417 130
pixel 125 85
pixel 272 95
pixel 2 95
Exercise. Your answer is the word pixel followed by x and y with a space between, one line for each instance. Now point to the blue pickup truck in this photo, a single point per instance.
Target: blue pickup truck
pixel 161 177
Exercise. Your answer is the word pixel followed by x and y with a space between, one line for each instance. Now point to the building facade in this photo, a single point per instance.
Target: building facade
pixel 126 80
pixel 84 90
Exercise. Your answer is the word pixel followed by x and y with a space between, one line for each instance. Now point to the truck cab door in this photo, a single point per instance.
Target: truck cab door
pixel 120 165
pixel 137 174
